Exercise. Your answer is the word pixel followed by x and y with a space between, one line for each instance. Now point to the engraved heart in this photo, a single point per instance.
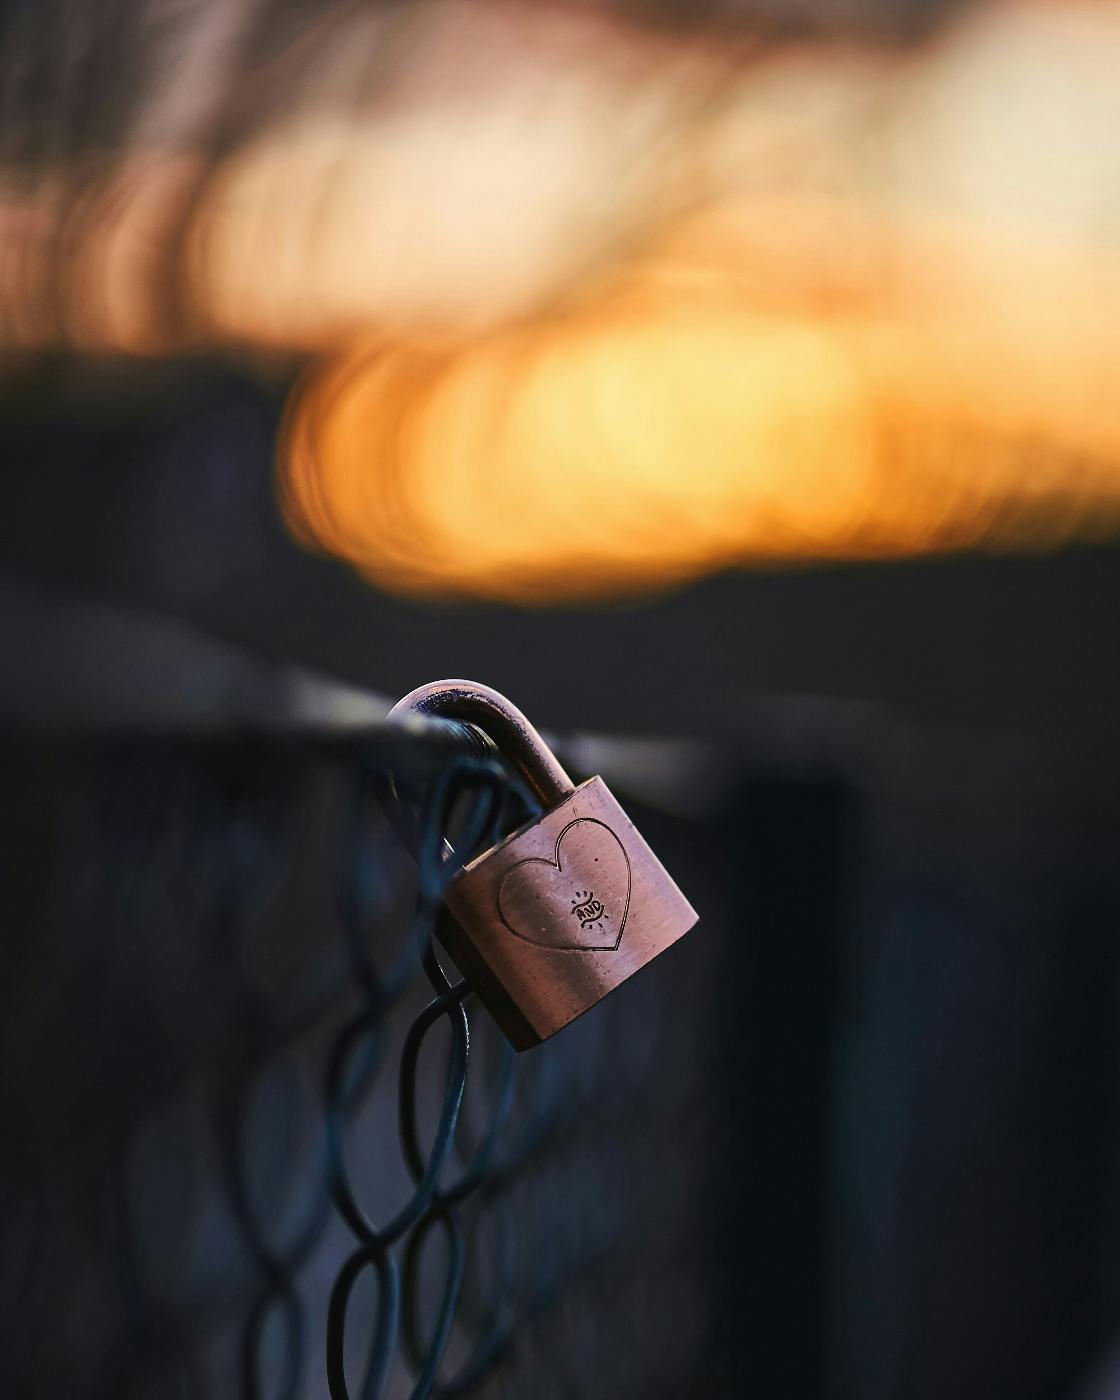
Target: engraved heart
pixel 576 902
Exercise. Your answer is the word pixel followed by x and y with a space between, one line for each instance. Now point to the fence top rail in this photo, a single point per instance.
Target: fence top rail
pixel 92 673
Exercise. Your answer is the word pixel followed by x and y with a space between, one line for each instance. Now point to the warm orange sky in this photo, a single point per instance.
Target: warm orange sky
pixel 599 310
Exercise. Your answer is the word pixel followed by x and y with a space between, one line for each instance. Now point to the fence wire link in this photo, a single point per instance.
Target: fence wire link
pixel 353 1062
pixel 470 792
pixel 262 1142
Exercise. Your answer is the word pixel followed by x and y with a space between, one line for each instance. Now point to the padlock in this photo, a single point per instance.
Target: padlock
pixel 563 910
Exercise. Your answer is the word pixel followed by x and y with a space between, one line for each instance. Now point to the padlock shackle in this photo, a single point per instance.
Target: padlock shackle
pixel 502 721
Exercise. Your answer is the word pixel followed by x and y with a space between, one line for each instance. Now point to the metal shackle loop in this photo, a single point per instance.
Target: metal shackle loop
pixel 501 721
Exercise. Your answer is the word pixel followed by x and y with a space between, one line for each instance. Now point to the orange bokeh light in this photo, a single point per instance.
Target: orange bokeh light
pixel 675 425
pixel 622 308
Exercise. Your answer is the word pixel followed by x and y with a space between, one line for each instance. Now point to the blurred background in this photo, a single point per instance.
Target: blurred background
pixel 736 386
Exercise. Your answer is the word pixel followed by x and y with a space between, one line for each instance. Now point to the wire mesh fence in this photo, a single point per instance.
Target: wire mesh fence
pixel 259 1140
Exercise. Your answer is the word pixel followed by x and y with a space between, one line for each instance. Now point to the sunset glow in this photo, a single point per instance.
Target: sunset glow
pixel 635 310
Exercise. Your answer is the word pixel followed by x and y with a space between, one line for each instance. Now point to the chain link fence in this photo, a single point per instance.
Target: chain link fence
pixel 259 1141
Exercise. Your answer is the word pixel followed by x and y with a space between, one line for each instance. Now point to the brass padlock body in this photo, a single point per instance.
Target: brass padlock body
pixel 563 910
pixel 557 915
